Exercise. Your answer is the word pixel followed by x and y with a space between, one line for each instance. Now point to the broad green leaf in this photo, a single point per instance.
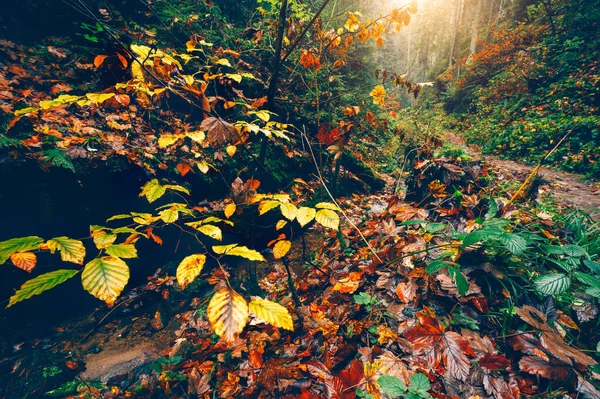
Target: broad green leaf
pixel 435 227
pixel 574 251
pixel 105 278
pixel 587 279
pixel 22 244
pixel 169 215
pixel 419 384
pixel 228 313
pixel 514 243
pixel 126 251
pixel 41 283
pixel 552 284
pixel 327 205
pixel 211 231
pixel 593 266
pixel 103 240
pixel 70 250
pixel 281 248
pixel 481 235
pixel 242 251
pixel 289 211
pixel 190 268
pixel 438 265
pixel 272 312
pixel 462 285
pixel 392 386
pixel 152 190
pixel 305 215
pixel 328 218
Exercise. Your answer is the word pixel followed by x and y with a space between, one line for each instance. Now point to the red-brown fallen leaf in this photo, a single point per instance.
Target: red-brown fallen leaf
pixel 183 168
pixel 230 386
pixel 481 304
pixel 392 365
pixel 99 60
pixel 407 291
pixel 553 370
pixel 494 361
pixel 219 131
pixel 24 260
pixel 499 388
pixel 255 358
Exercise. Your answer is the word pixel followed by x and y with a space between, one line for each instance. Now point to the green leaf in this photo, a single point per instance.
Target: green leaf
pixel 392 386
pixel 103 240
pixel 438 265
pixel 153 190
pixel 574 251
pixel 40 284
pixel 514 243
pixel 70 250
pixel 242 251
pixel 593 266
pixel 480 235
pixel 552 284
pixel 462 285
pixel 105 278
pixel 59 158
pixel 363 298
pixel 435 227
pixel 419 384
pixel 587 279
pixel 126 251
pixel 23 244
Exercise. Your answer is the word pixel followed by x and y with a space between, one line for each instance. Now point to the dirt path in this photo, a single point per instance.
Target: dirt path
pixel 567 189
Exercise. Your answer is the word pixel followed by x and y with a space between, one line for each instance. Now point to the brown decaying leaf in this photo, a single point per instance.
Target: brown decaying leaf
pixel 219 131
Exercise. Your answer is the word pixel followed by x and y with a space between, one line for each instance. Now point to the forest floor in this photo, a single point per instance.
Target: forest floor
pixel 567 189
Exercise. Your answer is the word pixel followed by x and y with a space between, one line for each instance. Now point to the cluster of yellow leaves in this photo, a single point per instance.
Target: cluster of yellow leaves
pixel 378 94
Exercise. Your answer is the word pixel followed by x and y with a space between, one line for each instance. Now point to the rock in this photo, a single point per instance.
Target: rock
pixel 115 365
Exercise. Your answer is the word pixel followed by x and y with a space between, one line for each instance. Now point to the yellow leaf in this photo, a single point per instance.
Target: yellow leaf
pixel 328 218
pixel 272 312
pixel 288 211
pixel 281 248
pixel 70 250
pixel 229 210
pixel 24 260
pixel 189 269
pixel 189 79
pixel 378 94
pixel 228 313
pixel 152 190
pixel 95 98
pixel 122 251
pixel 231 149
pixel 211 231
pixel 327 205
pixel 305 215
pixel 223 61
pixel 280 224
pixel 203 167
pixel 265 207
pixel 234 76
pixel 169 215
pixel 105 278
pixel 242 251
pixel 198 136
pixel 103 240
pixel 168 139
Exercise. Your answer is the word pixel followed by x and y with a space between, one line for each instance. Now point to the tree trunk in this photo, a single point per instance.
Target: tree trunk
pixel 456 17
pixel 475 28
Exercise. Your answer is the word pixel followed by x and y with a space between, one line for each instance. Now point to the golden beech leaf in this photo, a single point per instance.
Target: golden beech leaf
pixel 229 210
pixel 99 60
pixel 241 251
pixel 266 206
pixel 105 278
pixel 281 248
pixel 189 269
pixel 231 149
pixel 211 231
pixel 24 260
pixel 166 140
pixel 103 240
pixel 70 250
pixel 305 215
pixel 280 224
pixel 272 312
pixel 288 211
pixel 169 215
pixel 328 218
pixel 228 313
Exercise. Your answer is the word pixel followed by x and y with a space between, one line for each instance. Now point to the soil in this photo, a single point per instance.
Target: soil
pixel 569 190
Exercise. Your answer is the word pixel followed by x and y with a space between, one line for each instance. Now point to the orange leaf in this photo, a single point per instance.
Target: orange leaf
pixel 123 60
pixel 99 60
pixel 24 260
pixel 183 168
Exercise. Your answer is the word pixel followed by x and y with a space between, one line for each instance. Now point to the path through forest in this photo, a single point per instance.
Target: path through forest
pixel 567 189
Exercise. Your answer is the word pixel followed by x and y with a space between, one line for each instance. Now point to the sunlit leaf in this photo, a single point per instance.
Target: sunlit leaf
pixel 166 140
pixel 105 278
pixel 22 244
pixel 231 149
pixel 190 268
pixel 228 313
pixel 211 231
pixel 281 248
pixel 272 312
pixel 103 240
pixel 169 215
pixel 152 190
pixel 289 211
pixel 280 224
pixel 305 215
pixel 122 251
pixel 327 205
pixel 266 206
pixel 70 250
pixel 328 218
pixel 41 283
pixel 229 210
pixel 242 251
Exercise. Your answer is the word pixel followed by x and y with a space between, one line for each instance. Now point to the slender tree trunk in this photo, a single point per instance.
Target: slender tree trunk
pixel 475 28
pixel 456 17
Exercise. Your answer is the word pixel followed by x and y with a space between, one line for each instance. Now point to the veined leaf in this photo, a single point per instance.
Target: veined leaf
pixel 305 215
pixel 242 251
pixel 280 224
pixel 126 251
pixel 462 285
pixel 328 218
pixel 105 278
pixel 22 244
pixel 514 243
pixel 103 240
pixel 552 284
pixel 169 215
pixel 176 187
pixel 281 248
pixel 24 260
pixel 190 268
pixel 327 205
pixel 438 265
pixel 392 386
pixel 272 312
pixel 41 283
pixel 211 231
pixel 265 207
pixel 289 211
pixel 70 250
pixel 166 140
pixel 229 210
pixel 152 190
pixel 228 313
pixel 419 384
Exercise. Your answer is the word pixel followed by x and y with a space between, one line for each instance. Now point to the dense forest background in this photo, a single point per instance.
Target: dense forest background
pixel 300 199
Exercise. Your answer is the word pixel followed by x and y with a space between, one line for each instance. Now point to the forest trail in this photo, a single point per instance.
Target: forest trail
pixel 567 189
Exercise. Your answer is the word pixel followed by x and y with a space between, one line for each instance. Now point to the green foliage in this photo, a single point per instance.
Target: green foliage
pixel 40 284
pixel 58 158
pixel 394 387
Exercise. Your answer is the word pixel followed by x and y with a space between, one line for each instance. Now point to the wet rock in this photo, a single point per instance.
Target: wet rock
pixel 115 365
